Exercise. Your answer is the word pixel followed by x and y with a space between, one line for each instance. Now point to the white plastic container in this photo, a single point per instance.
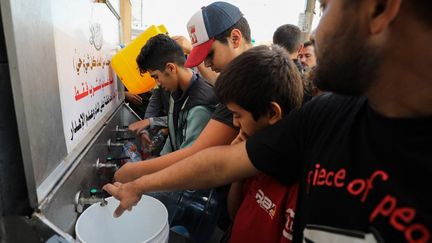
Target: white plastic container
pixel 147 222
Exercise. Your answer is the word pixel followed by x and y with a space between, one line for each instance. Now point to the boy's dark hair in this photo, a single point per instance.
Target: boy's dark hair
pixel 258 77
pixel 307 43
pixel 157 52
pixel 288 36
pixel 241 25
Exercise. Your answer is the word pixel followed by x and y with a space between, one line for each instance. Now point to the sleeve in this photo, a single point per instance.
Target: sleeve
pixel 167 147
pixel 159 121
pixel 197 119
pixel 276 150
pixel 282 150
pixel 222 114
pixel 155 104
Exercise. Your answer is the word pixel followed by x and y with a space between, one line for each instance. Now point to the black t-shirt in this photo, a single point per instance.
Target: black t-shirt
pixel 362 175
pixel 222 114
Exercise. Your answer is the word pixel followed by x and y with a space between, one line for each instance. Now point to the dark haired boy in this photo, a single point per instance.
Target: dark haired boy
pixel 192 99
pixel 221 33
pixel 289 37
pixel 262 208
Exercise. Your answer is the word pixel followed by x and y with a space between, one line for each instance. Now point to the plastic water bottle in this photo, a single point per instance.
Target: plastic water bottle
pixel 146 146
pixel 157 140
pixel 130 150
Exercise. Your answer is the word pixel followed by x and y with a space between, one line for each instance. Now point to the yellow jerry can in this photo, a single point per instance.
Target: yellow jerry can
pixel 125 66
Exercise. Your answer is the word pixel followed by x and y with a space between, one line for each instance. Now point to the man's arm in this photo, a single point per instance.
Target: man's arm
pixel 133 98
pixel 138 126
pixel 215 133
pixel 209 168
pixel 155 104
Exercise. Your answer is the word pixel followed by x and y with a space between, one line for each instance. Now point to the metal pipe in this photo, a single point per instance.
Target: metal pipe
pixel 306 19
pixel 110 6
pixel 310 6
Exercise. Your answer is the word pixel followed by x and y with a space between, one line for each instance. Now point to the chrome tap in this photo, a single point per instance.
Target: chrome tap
pixel 123 129
pixel 113 144
pixel 81 201
pixel 100 165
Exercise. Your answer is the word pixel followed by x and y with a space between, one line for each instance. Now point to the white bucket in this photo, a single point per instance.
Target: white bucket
pixel 147 222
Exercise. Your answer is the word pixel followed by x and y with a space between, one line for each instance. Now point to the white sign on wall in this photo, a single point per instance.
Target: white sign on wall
pixel 85 41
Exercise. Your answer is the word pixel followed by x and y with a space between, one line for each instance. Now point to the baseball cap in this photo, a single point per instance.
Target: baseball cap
pixel 205 24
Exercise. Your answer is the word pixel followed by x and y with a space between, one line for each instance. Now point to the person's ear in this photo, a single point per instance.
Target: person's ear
pixel 236 38
pixel 275 113
pixel 171 68
pixel 382 14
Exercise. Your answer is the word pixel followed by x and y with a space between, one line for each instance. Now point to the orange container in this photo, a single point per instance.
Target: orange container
pixel 125 66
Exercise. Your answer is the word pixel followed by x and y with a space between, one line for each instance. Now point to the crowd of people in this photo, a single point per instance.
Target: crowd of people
pixel 322 141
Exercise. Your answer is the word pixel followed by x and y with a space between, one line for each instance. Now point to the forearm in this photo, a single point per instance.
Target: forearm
pixel 154 106
pixel 132 171
pixel 139 125
pixel 209 168
pixel 215 133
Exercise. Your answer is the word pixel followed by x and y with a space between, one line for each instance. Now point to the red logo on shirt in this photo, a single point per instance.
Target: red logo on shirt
pixel 400 217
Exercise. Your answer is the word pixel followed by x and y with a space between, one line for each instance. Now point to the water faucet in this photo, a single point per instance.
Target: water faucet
pixel 121 129
pixel 113 144
pixel 100 165
pixel 81 201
